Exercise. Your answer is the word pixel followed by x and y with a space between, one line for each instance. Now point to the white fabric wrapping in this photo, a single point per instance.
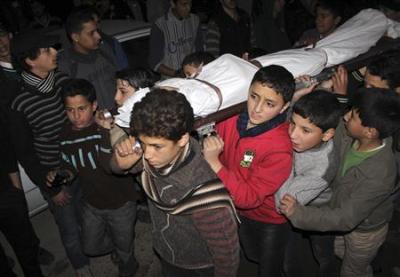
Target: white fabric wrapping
pixel 298 61
pixel 229 73
pixel 123 118
pixel 393 29
pixel 354 37
pixel 232 75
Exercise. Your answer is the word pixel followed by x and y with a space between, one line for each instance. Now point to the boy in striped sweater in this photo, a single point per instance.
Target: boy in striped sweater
pixel 194 225
pixel 35 121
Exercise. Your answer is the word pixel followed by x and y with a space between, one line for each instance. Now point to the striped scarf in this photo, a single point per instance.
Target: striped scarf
pixel 45 85
pixel 207 196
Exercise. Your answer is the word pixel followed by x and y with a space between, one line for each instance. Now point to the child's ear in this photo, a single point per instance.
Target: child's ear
pixel 328 134
pixel 75 37
pixel 29 62
pixel 184 140
pixel 285 107
pixel 371 133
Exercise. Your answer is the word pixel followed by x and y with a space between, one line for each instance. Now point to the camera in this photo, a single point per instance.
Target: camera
pixel 61 178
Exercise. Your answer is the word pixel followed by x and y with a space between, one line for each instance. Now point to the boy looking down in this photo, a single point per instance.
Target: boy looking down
pixel 194 225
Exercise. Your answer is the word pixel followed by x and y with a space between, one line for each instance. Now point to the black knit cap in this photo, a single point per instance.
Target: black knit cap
pixel 27 41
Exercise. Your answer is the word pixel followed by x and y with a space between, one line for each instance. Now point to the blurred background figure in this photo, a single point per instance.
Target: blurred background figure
pixel 41 18
pixel 269 25
pixel 329 15
pixel 229 30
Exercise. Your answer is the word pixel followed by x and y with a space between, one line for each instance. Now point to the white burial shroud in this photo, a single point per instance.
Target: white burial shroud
pixel 123 118
pixel 230 74
pixel 299 62
pixel 354 37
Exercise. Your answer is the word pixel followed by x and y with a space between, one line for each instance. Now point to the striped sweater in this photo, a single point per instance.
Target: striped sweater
pixel 204 238
pixel 173 39
pixel 37 116
pixel 86 153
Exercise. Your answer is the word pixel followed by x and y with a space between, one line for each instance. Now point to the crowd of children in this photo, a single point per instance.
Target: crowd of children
pixel 292 166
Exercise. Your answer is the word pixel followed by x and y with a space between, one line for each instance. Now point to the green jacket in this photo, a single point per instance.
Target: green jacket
pixel 360 199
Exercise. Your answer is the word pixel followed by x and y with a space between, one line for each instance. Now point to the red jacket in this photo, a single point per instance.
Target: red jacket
pixel 254 169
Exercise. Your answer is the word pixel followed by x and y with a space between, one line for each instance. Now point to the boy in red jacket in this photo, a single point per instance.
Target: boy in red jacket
pixel 252 156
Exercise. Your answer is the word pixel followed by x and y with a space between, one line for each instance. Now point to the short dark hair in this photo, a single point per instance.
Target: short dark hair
pixel 20 57
pixel 277 78
pixel 197 58
pixel 378 108
pixel 256 52
pixel 137 78
pixel 387 67
pixel 75 21
pixel 74 87
pixel 321 108
pixel 335 7
pixel 162 113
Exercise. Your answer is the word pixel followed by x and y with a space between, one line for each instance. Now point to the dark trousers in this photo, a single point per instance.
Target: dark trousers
pixel 17 228
pixel 169 270
pixel 68 219
pixel 106 230
pixel 310 254
pixel 264 244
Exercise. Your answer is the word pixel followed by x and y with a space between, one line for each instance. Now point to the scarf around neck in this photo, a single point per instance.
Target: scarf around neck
pixel 45 85
pixel 209 195
pixel 243 120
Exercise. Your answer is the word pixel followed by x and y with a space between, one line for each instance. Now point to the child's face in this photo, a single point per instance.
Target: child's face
pixel 79 111
pixel 325 21
pixel 182 7
pixel 264 103
pixel 306 135
pixel 4 46
pixel 191 70
pixel 124 91
pixel 160 152
pixel 46 61
pixel 374 81
pixel 353 124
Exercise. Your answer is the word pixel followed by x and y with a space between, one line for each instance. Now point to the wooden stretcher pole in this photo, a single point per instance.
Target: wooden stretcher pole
pixel 220 115
pixel 383 45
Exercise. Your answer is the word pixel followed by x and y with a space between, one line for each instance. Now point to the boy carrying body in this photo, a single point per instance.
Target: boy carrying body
pixel 194 224
pixel 312 126
pixel 252 155
pixel 360 204
pixel 109 201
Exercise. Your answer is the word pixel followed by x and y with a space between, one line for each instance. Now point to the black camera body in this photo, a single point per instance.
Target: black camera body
pixel 61 178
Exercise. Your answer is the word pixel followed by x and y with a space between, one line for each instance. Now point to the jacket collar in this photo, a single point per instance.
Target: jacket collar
pixel 243 119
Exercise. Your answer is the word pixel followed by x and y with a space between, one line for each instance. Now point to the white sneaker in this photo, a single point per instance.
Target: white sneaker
pixel 84 272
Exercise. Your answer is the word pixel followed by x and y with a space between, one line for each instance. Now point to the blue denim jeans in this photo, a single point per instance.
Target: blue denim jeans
pixel 107 230
pixel 68 222
pixel 265 244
